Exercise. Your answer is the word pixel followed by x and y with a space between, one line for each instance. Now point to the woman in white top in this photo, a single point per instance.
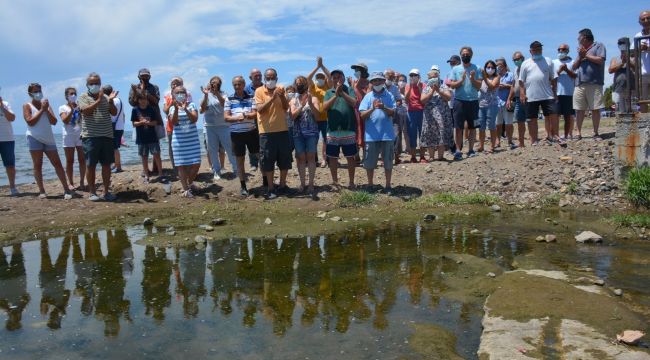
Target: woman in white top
pixel 71 117
pixel 40 118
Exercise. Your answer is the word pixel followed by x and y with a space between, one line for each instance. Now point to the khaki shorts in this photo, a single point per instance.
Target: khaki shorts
pixel 588 97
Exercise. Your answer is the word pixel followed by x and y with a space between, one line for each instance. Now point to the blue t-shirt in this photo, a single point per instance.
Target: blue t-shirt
pixel 144 134
pixel 592 73
pixel 565 84
pixel 379 126
pixel 467 91
pixel 508 79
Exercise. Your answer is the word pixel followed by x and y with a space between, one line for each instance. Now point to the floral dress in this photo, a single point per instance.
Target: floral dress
pixel 437 128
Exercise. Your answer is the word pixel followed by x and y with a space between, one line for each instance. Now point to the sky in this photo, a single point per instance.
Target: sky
pixel 58 43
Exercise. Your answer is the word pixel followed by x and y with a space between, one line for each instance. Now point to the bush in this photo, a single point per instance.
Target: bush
pixel 637 187
pixel 356 199
pixel 638 220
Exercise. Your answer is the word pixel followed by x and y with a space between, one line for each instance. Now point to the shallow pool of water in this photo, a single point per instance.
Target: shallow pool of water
pixel 353 295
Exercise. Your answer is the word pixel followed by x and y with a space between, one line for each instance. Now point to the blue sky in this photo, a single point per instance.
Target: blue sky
pixel 58 43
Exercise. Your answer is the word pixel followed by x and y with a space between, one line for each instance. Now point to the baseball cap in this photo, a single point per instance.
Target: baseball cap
pixel 361 66
pixel 535 44
pixel 454 58
pixel 414 71
pixel 376 75
pixel 144 71
pixel 435 67
pixel 337 71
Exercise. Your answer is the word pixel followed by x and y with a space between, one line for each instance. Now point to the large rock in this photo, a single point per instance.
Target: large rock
pixel 588 236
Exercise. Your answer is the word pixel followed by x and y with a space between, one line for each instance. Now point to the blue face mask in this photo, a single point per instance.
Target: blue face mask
pixel 563 55
pixel 537 57
pixel 94 89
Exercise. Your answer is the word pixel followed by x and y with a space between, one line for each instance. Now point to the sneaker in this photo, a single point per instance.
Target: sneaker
pixel 513 146
pixel 243 192
pixel 187 194
pixel 14 191
pixel 68 195
pixel 216 177
pixel 458 155
pixel 42 195
pixel 388 191
pixel 271 195
pixel 471 153
pixel 93 197
pixel 253 168
pixel 597 137
pixel 116 170
pixel 109 197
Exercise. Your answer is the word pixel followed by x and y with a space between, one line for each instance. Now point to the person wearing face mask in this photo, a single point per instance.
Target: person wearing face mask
pixel 185 140
pixel 437 128
pixel 565 86
pixel 488 105
pixel 401 113
pixel 71 118
pixel 590 71
pixel 318 89
pixel 400 117
pixel 505 115
pixel 514 102
pixel 8 144
pixel 118 128
pixel 215 125
pixel 305 109
pixel 168 101
pixel 40 118
pixel 644 21
pixel 466 79
pixel 412 94
pixel 618 66
pixel 145 119
pixel 537 87
pixel 97 134
pixel 376 110
pixel 272 105
pixel 255 77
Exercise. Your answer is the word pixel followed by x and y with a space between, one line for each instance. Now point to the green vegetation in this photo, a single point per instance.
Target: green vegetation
pixel 637 187
pixel 445 198
pixel 551 200
pixel 356 199
pixel 572 188
pixel 637 220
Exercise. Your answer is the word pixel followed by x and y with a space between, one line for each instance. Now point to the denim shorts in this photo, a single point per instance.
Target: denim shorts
pixel 520 110
pixel 7 153
pixel 305 144
pixel 488 117
pixel 373 148
pixel 150 148
pixel 35 145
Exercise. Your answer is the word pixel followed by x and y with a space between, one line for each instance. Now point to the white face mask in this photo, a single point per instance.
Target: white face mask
pixel 378 88
pixel 290 95
pixel 180 98
pixel 357 74
pixel 271 84
pixel 320 82
pixel 38 96
pixel 401 83
pixel 389 83
pixel 72 98
pixel 489 71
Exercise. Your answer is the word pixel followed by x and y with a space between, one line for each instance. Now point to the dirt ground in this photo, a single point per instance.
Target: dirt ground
pixel 578 175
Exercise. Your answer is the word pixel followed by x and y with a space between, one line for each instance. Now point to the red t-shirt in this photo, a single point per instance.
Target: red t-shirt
pixel 413 101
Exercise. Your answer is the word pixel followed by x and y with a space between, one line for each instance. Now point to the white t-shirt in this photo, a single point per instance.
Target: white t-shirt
pixel 645 56
pixel 118 119
pixel 537 76
pixel 6 129
pixel 73 128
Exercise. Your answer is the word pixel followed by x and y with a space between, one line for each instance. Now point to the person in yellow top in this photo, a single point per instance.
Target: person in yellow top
pixel 272 106
pixel 318 89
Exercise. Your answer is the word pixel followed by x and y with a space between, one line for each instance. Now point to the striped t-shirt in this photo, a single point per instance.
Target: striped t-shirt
pixel 239 105
pixel 98 124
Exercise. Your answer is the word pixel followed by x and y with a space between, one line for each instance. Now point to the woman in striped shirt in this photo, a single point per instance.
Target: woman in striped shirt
pixel 185 139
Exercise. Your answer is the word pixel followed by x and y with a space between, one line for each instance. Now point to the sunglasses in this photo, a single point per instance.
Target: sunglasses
pixel 645 19
pixel 562 49
pixel 519 58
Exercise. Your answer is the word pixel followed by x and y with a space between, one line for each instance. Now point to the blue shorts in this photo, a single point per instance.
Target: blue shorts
pixel 520 111
pixel 305 144
pixel 35 145
pixel 414 127
pixel 373 148
pixel 488 117
pixel 7 153
pixel 333 151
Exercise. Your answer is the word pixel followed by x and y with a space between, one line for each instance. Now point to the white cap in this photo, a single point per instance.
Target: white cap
pixel 414 71
pixel 435 67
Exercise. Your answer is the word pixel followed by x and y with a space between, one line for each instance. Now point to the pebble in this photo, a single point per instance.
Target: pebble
pixel 218 221
pixel 336 218
pixel 495 208
pixel 618 292
pixel 491 274
pixel 268 221
pixel 206 227
pixel 550 238
pixel 321 214
pixel 588 236
pixel 599 282
pixel 430 217
pixel 147 222
pixel 201 239
pixel 540 239
pixel 475 231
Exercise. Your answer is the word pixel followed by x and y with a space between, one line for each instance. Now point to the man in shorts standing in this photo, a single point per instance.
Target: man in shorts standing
pixel 97 134
pixel 240 111
pixel 7 144
pixel 590 69
pixel 537 86
pixel 272 106
pixel 466 79
pixel 377 109
pixel 340 103
pixel 565 86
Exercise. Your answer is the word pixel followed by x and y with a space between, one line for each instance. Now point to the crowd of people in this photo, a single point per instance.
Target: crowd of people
pixel 370 117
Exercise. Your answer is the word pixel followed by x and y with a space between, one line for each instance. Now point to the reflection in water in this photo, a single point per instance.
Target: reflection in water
pixel 355 282
pixel 13 287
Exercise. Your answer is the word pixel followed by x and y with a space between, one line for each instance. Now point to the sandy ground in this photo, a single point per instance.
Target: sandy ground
pixel 578 175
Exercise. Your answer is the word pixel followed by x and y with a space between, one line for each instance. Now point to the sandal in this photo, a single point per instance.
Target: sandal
pixel 187 194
